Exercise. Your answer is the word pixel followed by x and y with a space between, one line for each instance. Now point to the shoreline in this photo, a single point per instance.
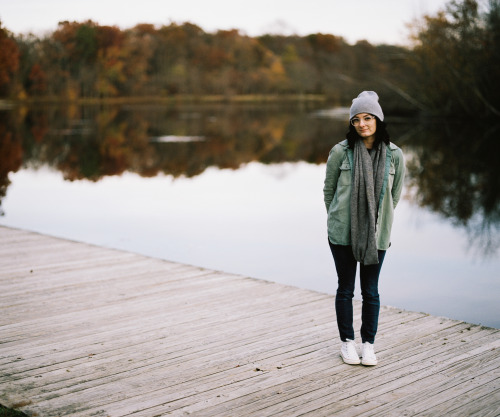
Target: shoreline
pixel 192 99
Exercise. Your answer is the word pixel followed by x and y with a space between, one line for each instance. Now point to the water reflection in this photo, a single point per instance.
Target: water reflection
pixel 451 168
pixel 453 171
pixel 264 221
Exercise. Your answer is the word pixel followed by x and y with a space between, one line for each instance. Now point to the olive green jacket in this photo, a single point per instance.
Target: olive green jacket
pixel 337 194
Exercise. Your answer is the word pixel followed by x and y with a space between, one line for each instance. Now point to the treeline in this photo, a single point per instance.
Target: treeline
pixel 453 66
pixel 86 60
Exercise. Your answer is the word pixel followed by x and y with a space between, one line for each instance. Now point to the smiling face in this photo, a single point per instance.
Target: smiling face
pixel 365 125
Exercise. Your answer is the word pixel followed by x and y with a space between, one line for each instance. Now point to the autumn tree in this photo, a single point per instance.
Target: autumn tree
pixel 37 80
pixel 298 71
pixel 324 50
pixel 170 72
pixel 87 60
pixel 75 47
pixel 9 61
pixel 110 62
pixel 139 46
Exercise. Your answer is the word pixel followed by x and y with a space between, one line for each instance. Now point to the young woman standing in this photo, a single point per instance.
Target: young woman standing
pixel 364 179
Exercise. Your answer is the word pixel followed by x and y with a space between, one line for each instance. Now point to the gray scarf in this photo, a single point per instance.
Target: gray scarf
pixel 366 188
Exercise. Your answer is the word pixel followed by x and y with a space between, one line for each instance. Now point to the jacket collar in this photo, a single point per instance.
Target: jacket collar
pixel 391 146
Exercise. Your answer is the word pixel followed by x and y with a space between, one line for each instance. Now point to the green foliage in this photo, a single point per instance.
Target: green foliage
pixel 86 44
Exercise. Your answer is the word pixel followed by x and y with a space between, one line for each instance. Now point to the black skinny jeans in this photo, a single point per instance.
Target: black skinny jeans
pixel 346 265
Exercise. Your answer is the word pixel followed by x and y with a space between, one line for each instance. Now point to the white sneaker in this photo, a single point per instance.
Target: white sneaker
pixel 368 355
pixel 348 352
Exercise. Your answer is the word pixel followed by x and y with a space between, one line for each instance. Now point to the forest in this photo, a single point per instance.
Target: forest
pixel 451 68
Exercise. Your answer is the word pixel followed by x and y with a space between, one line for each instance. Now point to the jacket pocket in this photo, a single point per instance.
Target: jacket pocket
pixel 345 177
pixel 392 172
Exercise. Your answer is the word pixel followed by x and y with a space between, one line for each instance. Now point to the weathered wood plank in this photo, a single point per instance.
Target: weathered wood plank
pixel 353 379
pixel 87 331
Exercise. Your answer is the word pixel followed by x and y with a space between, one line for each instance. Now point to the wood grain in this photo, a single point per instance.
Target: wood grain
pixel 92 331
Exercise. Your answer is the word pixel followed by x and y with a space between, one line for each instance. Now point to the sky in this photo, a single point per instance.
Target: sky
pixel 381 21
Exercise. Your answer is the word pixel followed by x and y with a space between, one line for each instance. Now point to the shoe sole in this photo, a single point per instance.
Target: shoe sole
pixel 350 362
pixel 369 363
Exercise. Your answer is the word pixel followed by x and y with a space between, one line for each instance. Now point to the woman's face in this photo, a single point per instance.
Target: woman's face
pixel 365 125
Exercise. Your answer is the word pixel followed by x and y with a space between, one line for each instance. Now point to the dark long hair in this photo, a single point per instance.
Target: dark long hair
pixel 381 134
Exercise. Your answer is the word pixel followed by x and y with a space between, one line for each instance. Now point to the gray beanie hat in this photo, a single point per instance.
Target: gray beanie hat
pixel 366 102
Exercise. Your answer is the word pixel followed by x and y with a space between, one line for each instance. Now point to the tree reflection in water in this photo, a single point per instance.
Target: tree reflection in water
pixel 451 167
pixel 452 170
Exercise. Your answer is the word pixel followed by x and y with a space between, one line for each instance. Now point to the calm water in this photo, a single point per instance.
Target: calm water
pixel 239 189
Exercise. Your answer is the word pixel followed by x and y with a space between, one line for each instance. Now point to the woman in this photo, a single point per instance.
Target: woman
pixel 364 179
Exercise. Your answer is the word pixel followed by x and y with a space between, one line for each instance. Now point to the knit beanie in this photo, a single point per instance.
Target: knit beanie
pixel 366 102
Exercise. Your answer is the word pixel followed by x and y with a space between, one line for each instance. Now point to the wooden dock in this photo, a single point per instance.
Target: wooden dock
pixel 90 331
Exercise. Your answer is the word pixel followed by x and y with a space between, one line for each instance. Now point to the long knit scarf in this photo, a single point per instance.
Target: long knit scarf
pixel 366 188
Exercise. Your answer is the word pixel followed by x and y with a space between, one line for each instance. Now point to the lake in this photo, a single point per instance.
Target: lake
pixel 238 188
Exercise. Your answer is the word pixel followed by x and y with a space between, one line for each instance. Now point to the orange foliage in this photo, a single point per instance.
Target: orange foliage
pixel 109 37
pixel 11 155
pixel 325 42
pixel 9 60
pixel 38 80
pixel 85 59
